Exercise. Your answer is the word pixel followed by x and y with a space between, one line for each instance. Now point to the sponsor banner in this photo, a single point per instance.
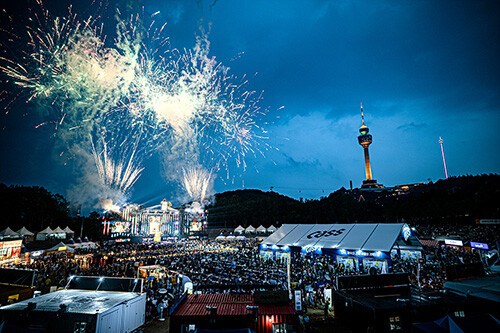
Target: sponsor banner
pixel 455 242
pixel 481 246
pixel 10 249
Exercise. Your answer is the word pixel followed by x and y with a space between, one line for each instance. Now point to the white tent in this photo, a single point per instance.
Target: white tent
pixel 68 231
pixel 261 229
pixel 8 232
pixel 220 237
pixel 61 247
pixel 365 237
pixel 47 231
pixel 271 229
pixel 25 232
pixel 58 230
pixel 230 237
pixel 239 230
pixel 42 235
pixel 241 238
pixel 250 229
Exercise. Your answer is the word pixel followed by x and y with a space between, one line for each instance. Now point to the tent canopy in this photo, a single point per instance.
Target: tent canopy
pixel 365 237
pixel 68 230
pixel 8 232
pixel 261 229
pixel 240 228
pixel 60 245
pixel 47 231
pixel 58 230
pixel 25 232
pixel 271 228
pixel 250 229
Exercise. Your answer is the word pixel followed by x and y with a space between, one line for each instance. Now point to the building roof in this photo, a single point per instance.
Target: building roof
pixel 77 301
pixel 487 287
pixel 365 237
pixel 228 305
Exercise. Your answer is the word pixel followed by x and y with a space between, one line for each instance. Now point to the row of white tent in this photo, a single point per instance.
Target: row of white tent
pixel 250 229
pixel 230 237
pixel 72 245
pixel 23 232
pixel 57 233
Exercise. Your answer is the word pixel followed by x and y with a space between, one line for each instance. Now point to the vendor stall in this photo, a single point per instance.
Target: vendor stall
pixel 359 247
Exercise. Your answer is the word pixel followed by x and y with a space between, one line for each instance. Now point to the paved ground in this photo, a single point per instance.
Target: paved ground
pixel 155 326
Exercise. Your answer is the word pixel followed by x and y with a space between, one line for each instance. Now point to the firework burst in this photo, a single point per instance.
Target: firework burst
pixel 133 99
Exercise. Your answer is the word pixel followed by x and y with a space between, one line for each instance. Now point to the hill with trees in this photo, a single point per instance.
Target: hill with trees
pixel 457 200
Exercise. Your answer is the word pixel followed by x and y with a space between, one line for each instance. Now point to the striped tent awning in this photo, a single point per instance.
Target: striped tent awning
pixel 428 242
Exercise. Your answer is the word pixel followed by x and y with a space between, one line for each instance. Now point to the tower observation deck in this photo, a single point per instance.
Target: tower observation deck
pixel 365 140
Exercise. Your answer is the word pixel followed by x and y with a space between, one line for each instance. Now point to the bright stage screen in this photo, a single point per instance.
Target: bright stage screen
pixel 154 224
pixel 120 227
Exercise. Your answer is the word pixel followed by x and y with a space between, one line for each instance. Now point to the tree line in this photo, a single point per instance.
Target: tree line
pixel 457 199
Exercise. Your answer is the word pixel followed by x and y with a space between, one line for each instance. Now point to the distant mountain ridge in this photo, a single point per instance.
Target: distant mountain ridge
pixel 457 199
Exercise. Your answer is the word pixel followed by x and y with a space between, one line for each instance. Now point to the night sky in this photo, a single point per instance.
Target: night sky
pixel 422 69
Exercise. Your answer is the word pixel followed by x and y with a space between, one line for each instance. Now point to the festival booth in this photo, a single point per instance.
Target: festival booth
pixel 271 229
pixel 261 230
pixel 357 246
pixel 230 237
pixel 25 233
pixel 8 233
pixel 221 237
pixel 44 234
pixel 69 233
pixel 157 271
pixel 241 238
pixel 83 244
pixel 60 247
pixel 250 230
pixel 10 250
pixel 239 230
pixel 59 233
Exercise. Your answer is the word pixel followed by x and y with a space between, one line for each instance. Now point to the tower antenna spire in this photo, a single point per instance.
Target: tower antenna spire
pixel 362 115
pixel 444 160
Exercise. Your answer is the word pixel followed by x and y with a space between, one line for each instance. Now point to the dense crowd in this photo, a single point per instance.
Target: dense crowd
pixel 467 233
pixel 215 267
pixel 226 267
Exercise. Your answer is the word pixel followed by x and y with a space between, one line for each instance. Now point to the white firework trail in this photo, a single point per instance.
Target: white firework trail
pixel 117 175
pixel 196 181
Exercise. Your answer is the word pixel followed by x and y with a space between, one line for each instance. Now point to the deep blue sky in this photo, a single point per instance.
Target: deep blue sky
pixel 422 69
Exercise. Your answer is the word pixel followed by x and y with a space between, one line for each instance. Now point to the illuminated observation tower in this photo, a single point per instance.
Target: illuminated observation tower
pixel 365 140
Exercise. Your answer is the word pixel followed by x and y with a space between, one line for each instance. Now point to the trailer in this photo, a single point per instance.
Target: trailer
pixel 78 311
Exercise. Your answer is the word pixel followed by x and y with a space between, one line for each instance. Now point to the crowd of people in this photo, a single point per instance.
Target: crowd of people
pixel 483 233
pixel 215 267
